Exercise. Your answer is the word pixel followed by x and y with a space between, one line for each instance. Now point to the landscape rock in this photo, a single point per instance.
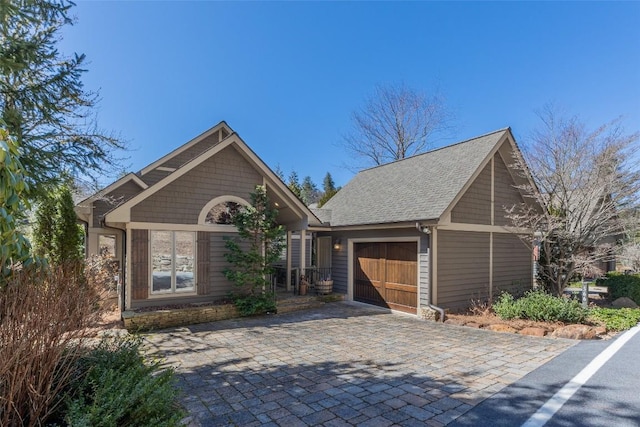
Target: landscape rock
pixel 600 330
pixel 624 302
pixel 535 332
pixel 499 327
pixel 575 332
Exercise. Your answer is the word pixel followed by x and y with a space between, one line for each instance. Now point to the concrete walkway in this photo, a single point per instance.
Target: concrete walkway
pixel 341 365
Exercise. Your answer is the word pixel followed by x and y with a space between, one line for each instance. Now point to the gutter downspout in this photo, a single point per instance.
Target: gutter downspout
pixel 440 310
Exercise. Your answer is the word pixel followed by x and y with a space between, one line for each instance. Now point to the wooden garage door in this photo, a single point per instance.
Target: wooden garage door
pixel 386 274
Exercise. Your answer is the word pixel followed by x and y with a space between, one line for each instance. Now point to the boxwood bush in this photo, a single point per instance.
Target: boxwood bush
pixel 622 285
pixel 539 306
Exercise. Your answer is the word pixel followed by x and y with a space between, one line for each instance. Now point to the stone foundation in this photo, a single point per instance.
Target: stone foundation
pixel 161 319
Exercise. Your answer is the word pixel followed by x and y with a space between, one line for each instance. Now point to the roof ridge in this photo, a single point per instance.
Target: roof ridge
pixel 183 146
pixel 508 128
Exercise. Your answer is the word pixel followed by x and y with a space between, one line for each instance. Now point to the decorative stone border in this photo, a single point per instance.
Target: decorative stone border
pixel 167 318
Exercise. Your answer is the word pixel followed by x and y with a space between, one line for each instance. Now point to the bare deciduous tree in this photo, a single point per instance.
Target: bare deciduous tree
pixel 588 182
pixel 397 122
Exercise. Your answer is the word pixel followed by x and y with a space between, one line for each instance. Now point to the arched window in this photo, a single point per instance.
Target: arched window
pixel 221 210
pixel 222 213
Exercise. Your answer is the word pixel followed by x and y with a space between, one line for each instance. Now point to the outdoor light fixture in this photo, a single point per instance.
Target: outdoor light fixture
pixel 337 245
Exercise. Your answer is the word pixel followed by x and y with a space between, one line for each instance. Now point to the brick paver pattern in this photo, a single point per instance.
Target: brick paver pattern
pixel 342 365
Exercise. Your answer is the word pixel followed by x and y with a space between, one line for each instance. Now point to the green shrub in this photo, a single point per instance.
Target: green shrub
pixel 115 387
pixel 616 319
pixel 539 306
pixel 622 285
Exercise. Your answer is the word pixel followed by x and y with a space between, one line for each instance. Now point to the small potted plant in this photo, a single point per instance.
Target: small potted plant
pixel 324 286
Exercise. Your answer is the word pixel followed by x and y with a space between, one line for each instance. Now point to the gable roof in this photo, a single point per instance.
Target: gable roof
pixel 184 147
pixel 418 188
pixel 122 213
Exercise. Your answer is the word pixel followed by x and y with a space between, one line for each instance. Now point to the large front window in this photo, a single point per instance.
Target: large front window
pixel 172 261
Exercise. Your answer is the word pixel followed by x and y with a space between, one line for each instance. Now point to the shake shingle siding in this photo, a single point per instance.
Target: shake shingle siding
pixel 474 207
pixel 505 193
pixel 192 152
pixel 181 201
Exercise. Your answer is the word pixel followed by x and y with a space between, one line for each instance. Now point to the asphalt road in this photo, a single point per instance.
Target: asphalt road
pixel 610 396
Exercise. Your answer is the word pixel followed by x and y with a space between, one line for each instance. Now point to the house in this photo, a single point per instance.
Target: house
pixel 425 231
pixel 430 230
pixel 165 225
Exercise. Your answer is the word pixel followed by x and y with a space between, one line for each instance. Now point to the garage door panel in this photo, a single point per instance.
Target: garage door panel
pixel 386 274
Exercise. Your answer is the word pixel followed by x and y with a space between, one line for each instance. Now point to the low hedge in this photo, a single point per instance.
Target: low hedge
pixel 539 306
pixel 622 285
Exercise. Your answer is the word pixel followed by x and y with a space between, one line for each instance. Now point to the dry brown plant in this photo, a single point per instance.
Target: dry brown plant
pixel 44 325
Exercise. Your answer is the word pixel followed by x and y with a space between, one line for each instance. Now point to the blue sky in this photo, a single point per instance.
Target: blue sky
pixel 287 75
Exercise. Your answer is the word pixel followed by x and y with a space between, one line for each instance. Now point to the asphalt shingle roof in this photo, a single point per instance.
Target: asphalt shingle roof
pixel 414 189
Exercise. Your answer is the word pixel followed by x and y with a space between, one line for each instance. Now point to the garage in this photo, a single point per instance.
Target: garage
pixel 386 274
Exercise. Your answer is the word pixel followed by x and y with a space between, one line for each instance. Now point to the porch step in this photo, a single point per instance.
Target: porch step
pixel 296 303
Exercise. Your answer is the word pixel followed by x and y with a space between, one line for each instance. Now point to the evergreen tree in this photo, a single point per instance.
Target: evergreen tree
pixel 42 98
pixel 259 244
pixel 294 184
pixel 309 192
pixel 329 190
pixel 57 235
pixel 327 184
pixel 68 233
pixel 44 229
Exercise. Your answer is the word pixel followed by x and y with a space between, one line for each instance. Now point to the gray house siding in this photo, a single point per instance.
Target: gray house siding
pixel 505 194
pixel 112 199
pixel 181 201
pixel 474 207
pixel 512 264
pixel 219 286
pixel 424 262
pixel 463 268
pixel 295 251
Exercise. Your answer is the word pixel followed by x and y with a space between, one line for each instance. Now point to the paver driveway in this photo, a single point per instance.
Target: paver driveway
pixel 342 364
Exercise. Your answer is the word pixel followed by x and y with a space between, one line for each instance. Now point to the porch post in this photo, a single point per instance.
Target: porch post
pixel 303 251
pixel 289 232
